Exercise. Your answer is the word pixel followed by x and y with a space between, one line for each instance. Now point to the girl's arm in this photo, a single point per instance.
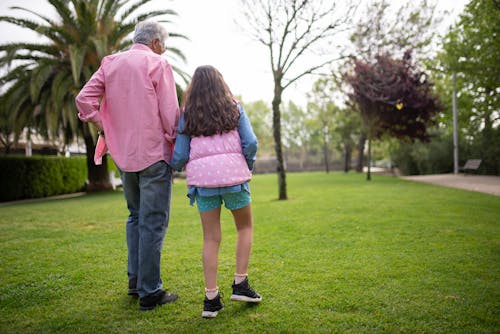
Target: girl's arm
pixel 248 139
pixel 181 148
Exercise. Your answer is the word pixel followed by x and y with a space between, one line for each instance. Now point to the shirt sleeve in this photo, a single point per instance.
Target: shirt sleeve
pixel 248 138
pixel 167 101
pixel 181 148
pixel 89 98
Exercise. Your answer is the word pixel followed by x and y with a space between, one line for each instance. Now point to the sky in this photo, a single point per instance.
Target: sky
pixel 215 39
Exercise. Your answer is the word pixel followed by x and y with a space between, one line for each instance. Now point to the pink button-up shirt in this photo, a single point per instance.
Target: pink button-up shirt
pixel 139 109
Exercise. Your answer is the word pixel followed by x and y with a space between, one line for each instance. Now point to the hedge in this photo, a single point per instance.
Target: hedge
pixel 40 176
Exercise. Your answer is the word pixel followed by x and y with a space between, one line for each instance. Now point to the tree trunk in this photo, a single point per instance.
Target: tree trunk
pixel 347 157
pixel 361 149
pixel 6 146
pixel 277 142
pixel 5 141
pixel 303 156
pixel 325 151
pixel 369 162
pixel 97 174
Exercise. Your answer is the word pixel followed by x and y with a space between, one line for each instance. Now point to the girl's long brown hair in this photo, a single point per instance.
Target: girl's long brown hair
pixel 209 106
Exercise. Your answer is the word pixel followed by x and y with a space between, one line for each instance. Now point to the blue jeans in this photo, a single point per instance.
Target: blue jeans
pixel 147 193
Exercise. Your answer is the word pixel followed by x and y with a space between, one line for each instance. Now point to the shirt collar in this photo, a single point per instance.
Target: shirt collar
pixel 139 46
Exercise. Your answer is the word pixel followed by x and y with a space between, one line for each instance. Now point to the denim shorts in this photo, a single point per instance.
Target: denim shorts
pixel 232 201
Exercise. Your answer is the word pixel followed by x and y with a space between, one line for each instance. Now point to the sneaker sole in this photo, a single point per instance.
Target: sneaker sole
pixel 148 308
pixel 163 302
pixel 209 314
pixel 240 298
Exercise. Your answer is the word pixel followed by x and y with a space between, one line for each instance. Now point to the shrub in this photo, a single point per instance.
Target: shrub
pixel 40 176
pixel 436 157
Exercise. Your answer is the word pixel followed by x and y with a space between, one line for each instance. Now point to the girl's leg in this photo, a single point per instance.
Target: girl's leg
pixel 210 221
pixel 244 225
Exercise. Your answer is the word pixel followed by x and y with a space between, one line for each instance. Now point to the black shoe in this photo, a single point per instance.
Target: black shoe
pixel 132 287
pixel 244 293
pixel 211 307
pixel 159 298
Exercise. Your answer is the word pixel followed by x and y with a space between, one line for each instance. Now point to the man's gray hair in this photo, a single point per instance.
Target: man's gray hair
pixel 147 31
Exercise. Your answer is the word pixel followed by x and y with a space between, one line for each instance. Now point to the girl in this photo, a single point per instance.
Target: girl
pixel 217 144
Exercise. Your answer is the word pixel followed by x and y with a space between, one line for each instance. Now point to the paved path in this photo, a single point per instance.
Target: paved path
pixel 34 200
pixel 482 183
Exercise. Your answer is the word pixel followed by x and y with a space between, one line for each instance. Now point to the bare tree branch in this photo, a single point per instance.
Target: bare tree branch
pixel 308 21
pixel 287 31
pixel 311 70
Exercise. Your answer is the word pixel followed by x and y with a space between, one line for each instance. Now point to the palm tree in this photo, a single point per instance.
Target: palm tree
pixel 43 78
pixel 6 128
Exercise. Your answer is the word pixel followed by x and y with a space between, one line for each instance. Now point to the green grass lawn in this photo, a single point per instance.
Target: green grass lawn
pixel 342 255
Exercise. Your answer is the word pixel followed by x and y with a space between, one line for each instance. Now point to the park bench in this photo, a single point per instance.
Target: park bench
pixel 471 164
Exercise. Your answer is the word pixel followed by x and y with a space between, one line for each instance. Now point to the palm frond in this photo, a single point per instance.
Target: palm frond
pixel 120 32
pixel 86 13
pixel 87 74
pixel 76 57
pixel 39 76
pixel 54 35
pixel 24 23
pixel 71 124
pixel 177 35
pixel 184 76
pixel 12 49
pixel 177 53
pixel 61 86
pixel 108 9
pixel 15 74
pixel 61 6
pixel 16 100
pixel 45 18
pixel 52 117
pixel 132 9
pixel 34 58
pixel 155 13
pixel 101 45
pixel 125 45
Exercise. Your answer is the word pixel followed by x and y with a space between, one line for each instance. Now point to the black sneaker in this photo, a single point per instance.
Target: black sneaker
pixel 159 298
pixel 132 287
pixel 244 293
pixel 211 307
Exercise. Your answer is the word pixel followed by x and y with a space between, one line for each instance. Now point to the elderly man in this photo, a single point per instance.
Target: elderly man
pixel 133 102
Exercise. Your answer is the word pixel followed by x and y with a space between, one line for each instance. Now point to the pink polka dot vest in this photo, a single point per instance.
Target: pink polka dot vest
pixel 217 161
